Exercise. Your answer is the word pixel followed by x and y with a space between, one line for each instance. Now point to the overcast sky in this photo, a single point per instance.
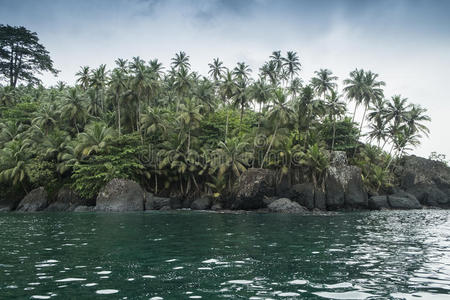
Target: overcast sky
pixel 407 42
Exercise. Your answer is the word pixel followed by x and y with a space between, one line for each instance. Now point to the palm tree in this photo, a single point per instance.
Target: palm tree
pixel 216 69
pixel 74 109
pixel 242 71
pixel 335 108
pixel 181 61
pixel 84 77
pixel 230 159
pixel 291 63
pixel 397 110
pixel 122 65
pixel 414 117
pixel 98 82
pixel 324 82
pixel 280 114
pixel 241 97
pixel 354 88
pixel 277 59
pixel 117 86
pixel 182 84
pixel 153 121
pixel 45 118
pixel 14 164
pixel 94 139
pixel 190 118
pixel 295 87
pixel 226 90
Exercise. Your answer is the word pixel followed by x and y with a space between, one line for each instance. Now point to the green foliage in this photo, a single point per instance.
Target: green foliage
pixel 346 134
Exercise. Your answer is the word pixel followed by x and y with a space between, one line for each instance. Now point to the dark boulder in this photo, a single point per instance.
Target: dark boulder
pixel 176 202
pixel 303 194
pixel 378 202
pixel 430 195
pixel 35 200
pixel 285 205
pixel 252 187
pixel 355 193
pixel 66 200
pixel 397 202
pixel 426 179
pixel 155 203
pixel 121 195
pixel 201 203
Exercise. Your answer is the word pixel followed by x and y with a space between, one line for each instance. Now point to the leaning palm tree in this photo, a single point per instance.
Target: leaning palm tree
pixel 94 139
pixel 324 82
pixel 397 110
pixel 372 93
pixel 280 115
pixel 216 69
pixel 414 119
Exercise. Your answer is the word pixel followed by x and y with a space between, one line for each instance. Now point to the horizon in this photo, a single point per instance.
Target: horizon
pixel 405 42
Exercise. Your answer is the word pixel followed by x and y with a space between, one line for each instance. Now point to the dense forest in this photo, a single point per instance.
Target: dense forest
pixel 178 132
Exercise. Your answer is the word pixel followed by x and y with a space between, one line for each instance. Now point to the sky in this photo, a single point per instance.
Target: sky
pixel 407 42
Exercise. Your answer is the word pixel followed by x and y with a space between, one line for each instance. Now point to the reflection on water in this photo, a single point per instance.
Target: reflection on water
pixel 194 255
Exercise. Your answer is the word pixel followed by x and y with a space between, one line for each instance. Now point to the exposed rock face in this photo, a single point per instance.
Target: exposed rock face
pixel 66 200
pixel 121 195
pixel 320 199
pixel 217 206
pixel 155 203
pixel 202 203
pixel 403 203
pixel 426 179
pixel 303 194
pixel 344 186
pixel 285 205
pixel 378 202
pixel 35 200
pixel 253 185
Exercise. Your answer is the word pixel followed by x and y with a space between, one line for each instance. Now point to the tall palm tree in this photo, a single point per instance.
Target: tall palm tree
pixel 216 69
pixel 122 65
pixel 117 86
pixel 414 119
pixel 280 115
pixel 181 61
pixel 324 82
pixel 98 82
pixel 182 84
pixel 354 88
pixel 84 77
pixel 291 63
pixel 242 71
pixel 335 107
pixel 241 97
pixel 74 109
pixel 295 87
pixel 190 118
pixel 277 59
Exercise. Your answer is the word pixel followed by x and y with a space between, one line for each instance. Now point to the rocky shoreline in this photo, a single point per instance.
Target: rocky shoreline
pixel 422 183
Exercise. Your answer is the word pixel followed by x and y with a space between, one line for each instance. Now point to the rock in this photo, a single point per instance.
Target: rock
pixel 320 199
pixel 202 203
pixel 303 194
pixel 429 195
pixel 344 186
pixel 121 195
pixel 403 202
pixel 252 187
pixel 5 209
pixel 217 206
pixel 426 179
pixel 66 200
pixel 378 202
pixel 155 203
pixel 285 205
pixel 355 193
pixel 176 202
pixel 84 208
pixel 165 207
pixel 35 200
pixel 268 200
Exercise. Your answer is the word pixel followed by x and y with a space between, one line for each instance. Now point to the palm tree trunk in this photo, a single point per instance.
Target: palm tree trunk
pixel 242 114
pixel 354 113
pixel 361 126
pixel 118 114
pixel 226 126
pixel 270 146
pixel 189 139
pixel 334 134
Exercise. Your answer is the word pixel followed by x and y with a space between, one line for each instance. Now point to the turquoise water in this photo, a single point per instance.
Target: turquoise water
pixel 200 255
